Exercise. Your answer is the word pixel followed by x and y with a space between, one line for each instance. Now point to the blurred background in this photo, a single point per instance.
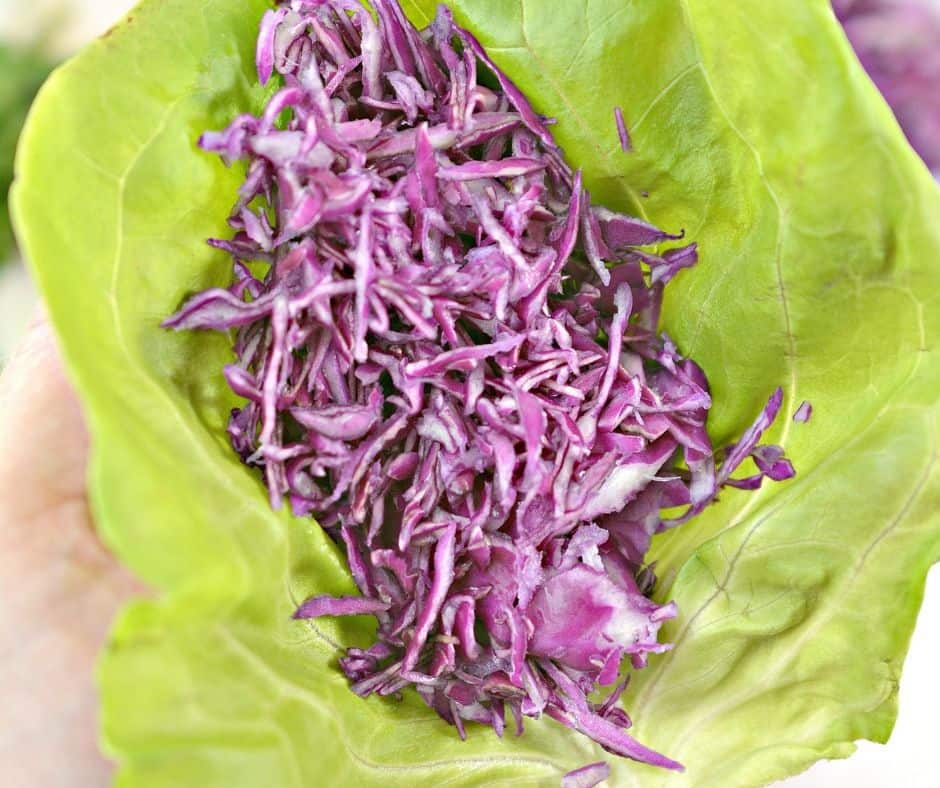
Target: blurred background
pixel 34 37
pixel 898 42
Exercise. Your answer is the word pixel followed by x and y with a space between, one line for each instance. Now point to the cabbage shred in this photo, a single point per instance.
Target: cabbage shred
pixel 453 361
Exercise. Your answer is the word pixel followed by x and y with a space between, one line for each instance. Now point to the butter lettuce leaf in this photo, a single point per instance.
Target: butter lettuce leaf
pixel 755 129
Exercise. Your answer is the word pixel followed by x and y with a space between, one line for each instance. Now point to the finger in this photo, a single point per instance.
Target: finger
pixel 43 441
pixel 60 587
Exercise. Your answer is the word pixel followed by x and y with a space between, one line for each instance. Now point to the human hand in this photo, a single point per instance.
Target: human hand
pixel 59 586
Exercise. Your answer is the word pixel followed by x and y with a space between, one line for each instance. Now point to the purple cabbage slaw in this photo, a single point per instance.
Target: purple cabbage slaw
pixel 452 360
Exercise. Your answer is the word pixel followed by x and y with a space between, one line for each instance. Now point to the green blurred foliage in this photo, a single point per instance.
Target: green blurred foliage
pixel 22 72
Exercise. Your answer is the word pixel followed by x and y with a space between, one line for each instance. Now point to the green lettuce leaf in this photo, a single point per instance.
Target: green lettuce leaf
pixel 756 130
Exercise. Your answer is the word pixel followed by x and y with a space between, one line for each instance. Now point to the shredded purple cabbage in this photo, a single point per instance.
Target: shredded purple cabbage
pixel 622 131
pixel 587 776
pixel 452 360
pixel 803 413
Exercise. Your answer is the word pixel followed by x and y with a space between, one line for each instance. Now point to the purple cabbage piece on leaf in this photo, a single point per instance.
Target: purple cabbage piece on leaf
pixel 803 413
pixel 453 361
pixel 318 606
pixel 622 131
pixel 587 776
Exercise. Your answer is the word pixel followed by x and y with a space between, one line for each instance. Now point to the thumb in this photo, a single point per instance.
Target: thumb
pixel 59 585
pixel 43 442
